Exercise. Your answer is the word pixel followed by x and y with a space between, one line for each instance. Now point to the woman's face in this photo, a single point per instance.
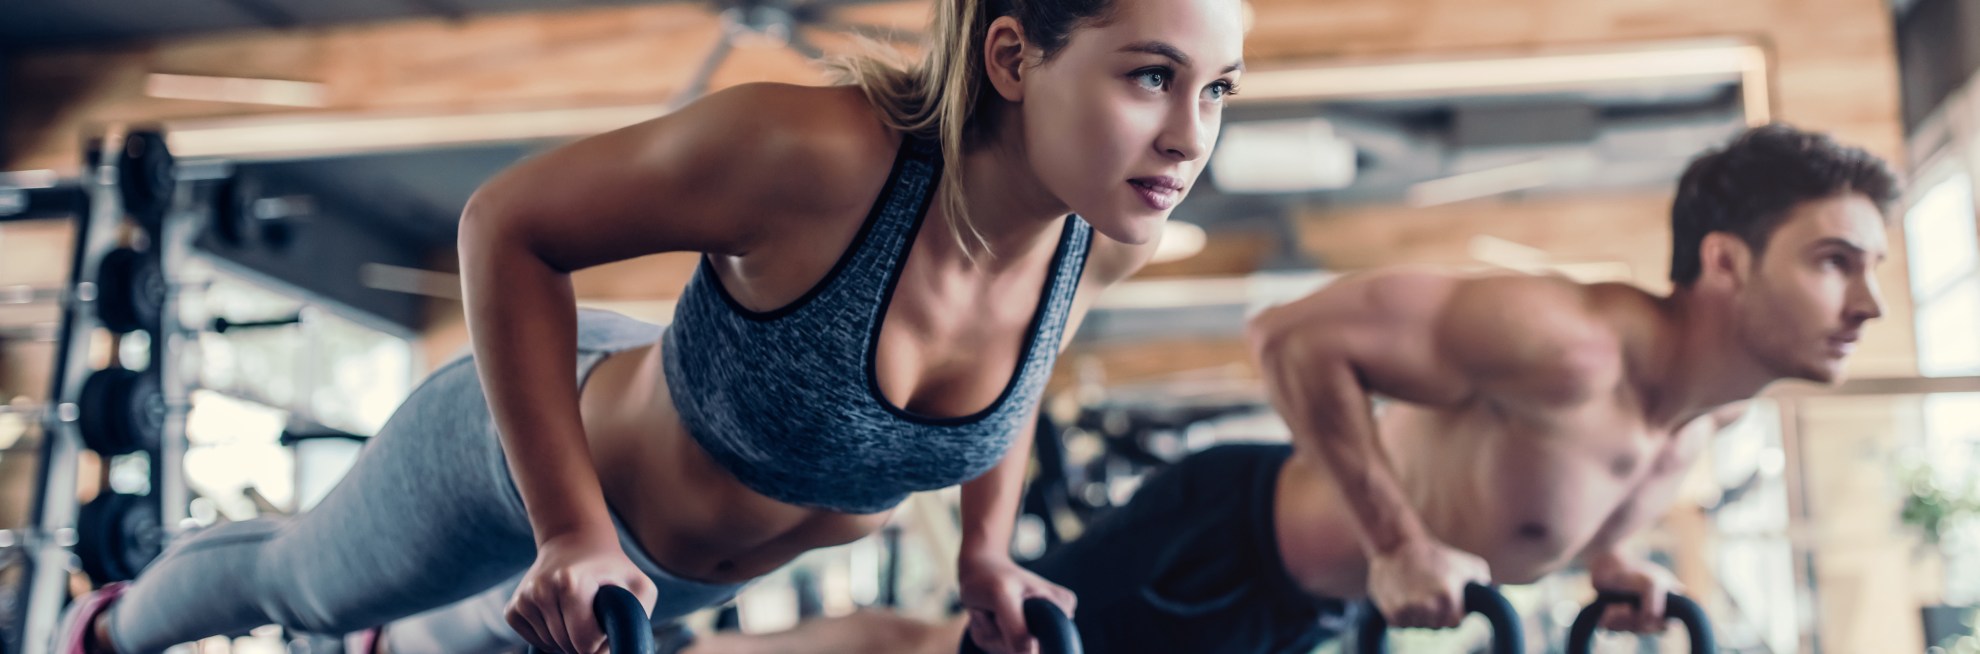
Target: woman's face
pixel 1119 124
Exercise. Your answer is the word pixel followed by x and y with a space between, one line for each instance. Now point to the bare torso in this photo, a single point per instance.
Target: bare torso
pixel 1526 487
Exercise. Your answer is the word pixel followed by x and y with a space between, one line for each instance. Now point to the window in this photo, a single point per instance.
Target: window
pixel 1943 241
pixel 1945 278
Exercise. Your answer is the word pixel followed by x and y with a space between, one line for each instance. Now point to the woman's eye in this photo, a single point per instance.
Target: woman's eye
pixel 1221 90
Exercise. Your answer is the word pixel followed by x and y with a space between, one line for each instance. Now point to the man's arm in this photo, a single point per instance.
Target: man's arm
pixel 1428 339
pixel 1424 338
pixel 1650 501
pixel 1611 564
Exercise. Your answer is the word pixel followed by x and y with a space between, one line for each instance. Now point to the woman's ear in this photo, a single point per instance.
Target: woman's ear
pixel 1004 51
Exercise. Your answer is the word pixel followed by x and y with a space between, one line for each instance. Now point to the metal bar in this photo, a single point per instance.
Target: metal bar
pixel 440 8
pixel 267 13
pixel 41 332
pixel 54 202
pixel 1801 517
pixel 53 516
pixel 25 294
pixel 176 235
pixel 1880 386
pixel 805 47
pixel 706 71
pixel 871 31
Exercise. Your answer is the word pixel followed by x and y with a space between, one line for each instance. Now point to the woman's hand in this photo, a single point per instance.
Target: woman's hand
pixel 552 606
pixel 994 589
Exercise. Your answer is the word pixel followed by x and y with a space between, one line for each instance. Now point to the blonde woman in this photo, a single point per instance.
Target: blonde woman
pixel 890 268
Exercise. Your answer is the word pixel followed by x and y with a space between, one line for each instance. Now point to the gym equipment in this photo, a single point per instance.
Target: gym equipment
pixel 247 215
pixel 1581 635
pixel 1055 632
pixel 24 198
pixel 221 325
pixel 627 629
pixel 21 294
pixel 122 411
pixel 130 291
pixel 782 23
pixel 131 178
pixel 118 535
pixel 146 178
pixel 1483 600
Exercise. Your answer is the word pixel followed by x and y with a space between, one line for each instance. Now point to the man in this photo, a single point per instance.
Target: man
pixel 1535 421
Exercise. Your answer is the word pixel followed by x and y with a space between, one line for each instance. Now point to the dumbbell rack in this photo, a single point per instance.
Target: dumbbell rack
pixel 51 536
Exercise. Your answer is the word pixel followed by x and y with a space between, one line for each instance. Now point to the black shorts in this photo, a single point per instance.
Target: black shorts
pixel 1191 564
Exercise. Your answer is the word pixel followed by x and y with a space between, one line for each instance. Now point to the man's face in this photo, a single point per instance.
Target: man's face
pixel 1813 288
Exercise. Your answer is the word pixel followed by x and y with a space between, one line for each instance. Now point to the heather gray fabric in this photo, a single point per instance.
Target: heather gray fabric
pixel 786 399
pixel 426 532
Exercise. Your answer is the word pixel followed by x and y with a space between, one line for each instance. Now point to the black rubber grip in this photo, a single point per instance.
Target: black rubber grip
pixel 1507 637
pixel 1055 632
pixel 627 629
pixel 1581 636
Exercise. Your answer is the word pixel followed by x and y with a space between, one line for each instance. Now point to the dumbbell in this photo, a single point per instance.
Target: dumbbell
pixel 627 628
pixel 1581 635
pixel 1507 638
pixel 1055 632
pixel 147 176
pixel 248 213
pixel 130 293
pixel 117 535
pixel 121 411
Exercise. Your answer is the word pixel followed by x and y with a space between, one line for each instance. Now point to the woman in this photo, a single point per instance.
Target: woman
pixel 832 354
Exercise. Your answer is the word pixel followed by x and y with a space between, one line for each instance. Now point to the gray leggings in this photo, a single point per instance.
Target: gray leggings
pixel 426 535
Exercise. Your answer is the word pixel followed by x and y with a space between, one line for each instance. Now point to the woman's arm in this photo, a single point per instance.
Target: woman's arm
pixel 720 176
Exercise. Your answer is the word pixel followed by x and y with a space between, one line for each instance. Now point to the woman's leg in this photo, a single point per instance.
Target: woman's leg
pixel 471 626
pixel 427 517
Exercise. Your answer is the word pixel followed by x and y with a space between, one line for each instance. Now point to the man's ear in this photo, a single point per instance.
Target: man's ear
pixel 1725 262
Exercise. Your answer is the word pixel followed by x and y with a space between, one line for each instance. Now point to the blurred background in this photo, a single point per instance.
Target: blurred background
pixel 324 152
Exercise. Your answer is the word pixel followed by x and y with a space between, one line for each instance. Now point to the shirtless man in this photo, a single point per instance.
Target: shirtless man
pixel 1536 421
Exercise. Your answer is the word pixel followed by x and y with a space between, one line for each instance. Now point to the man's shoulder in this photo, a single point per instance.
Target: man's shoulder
pixel 1547 339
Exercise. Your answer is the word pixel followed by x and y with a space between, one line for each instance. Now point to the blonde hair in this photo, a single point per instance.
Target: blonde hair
pixel 939 98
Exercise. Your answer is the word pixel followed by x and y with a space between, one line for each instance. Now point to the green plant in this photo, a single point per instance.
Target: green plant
pixel 1933 508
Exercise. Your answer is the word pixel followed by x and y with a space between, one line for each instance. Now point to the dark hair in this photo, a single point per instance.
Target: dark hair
pixel 940 98
pixel 1048 24
pixel 1748 187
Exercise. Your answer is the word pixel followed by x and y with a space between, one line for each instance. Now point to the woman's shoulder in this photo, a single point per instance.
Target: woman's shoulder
pixel 818 147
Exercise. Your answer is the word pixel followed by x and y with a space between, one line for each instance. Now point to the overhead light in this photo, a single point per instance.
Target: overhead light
pixel 1506 254
pixel 294 136
pixel 1282 156
pixel 1732 61
pixel 245 90
pixel 1510 255
pixel 1180 240
pixel 1483 183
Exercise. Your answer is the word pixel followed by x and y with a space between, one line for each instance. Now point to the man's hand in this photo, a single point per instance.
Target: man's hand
pixel 1646 580
pixel 1421 584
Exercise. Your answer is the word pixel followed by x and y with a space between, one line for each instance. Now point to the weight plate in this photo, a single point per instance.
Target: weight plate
pixel 117 535
pixel 146 177
pixel 102 418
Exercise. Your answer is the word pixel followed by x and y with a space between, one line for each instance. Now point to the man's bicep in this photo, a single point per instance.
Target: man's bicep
pixel 1392 335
